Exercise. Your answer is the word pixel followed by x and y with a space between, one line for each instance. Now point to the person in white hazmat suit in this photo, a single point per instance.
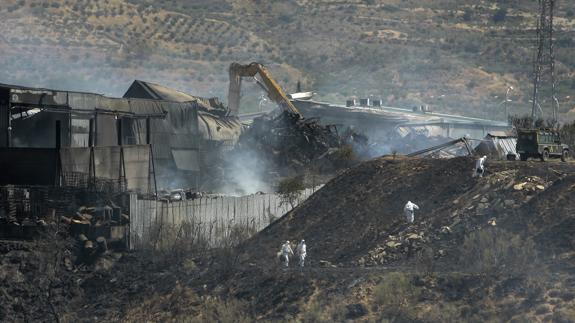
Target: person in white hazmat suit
pixel 301 252
pixel 479 167
pixel 286 251
pixel 408 210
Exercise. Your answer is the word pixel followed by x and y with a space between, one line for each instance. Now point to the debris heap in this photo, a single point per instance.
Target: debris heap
pixel 287 142
pixel 96 229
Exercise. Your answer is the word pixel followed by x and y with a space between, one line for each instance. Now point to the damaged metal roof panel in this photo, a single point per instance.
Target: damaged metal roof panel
pixel 136 107
pixel 147 90
pixel 399 115
pixel 501 134
pixel 81 102
pixel 219 129
pixel 498 147
pixel 427 131
pixel 213 122
pixel 142 89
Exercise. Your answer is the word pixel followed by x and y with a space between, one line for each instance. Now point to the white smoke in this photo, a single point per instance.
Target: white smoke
pixel 248 173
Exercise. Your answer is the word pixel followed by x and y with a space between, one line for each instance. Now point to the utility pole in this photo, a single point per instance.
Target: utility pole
pixel 509 88
pixel 544 62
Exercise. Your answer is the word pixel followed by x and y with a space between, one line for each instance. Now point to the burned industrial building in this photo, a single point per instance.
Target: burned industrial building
pixel 183 132
pixel 62 149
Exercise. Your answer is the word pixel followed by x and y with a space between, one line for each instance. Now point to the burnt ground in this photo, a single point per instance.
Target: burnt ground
pixel 356 239
pixel 358 211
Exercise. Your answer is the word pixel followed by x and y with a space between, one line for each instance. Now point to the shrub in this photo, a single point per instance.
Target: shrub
pixel 286 18
pixel 566 314
pixel 326 310
pixel 500 15
pixel 426 261
pixel 396 295
pixel 345 153
pixel 494 252
pixel 224 311
pixel 290 189
pixel 182 304
pixel 226 257
pixel 467 15
pixel 471 84
pixel 526 122
pixel 445 312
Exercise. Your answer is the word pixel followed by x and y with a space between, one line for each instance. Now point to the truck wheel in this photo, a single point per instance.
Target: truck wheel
pixel 565 155
pixel 523 157
pixel 545 155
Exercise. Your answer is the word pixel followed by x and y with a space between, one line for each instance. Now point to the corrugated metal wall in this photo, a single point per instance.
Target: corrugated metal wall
pixel 212 217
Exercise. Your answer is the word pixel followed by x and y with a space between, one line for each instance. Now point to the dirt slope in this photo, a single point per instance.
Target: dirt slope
pixel 357 218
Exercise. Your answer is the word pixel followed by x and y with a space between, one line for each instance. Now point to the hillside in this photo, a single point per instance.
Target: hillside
pixel 453 55
pixel 354 217
pixel 496 248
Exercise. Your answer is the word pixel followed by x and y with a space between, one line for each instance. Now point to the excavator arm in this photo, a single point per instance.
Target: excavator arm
pixel 273 90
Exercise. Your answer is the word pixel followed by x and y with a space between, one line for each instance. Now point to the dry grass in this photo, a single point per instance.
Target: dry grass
pixel 494 252
pixel 396 296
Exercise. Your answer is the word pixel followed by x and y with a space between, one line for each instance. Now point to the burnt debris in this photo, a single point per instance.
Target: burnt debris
pixel 290 144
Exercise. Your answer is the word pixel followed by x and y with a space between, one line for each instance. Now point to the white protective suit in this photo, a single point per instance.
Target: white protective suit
pixel 479 167
pixel 286 251
pixel 408 209
pixel 302 252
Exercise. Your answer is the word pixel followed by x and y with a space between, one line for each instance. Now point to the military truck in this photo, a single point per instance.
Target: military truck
pixel 540 143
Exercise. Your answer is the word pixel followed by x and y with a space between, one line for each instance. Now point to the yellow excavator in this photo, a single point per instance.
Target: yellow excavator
pixel 267 83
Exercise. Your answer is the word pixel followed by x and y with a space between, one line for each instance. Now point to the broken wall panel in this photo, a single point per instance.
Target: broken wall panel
pixel 38 130
pixel 186 159
pixel 80 132
pixel 137 162
pixel 41 97
pixel 106 133
pixel 75 163
pixel 109 168
pixel 176 133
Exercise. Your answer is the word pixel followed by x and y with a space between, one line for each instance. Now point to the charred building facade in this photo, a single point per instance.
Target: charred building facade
pixel 60 150
pixel 182 135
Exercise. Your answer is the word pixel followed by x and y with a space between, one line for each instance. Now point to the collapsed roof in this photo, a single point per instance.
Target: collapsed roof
pixel 213 120
pixel 84 103
pixel 148 90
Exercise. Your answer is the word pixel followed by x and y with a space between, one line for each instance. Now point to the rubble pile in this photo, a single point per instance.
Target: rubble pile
pixel 288 142
pixel 394 248
pixel 531 184
pixel 96 229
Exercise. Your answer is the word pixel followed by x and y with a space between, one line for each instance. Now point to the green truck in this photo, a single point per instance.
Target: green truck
pixel 540 143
